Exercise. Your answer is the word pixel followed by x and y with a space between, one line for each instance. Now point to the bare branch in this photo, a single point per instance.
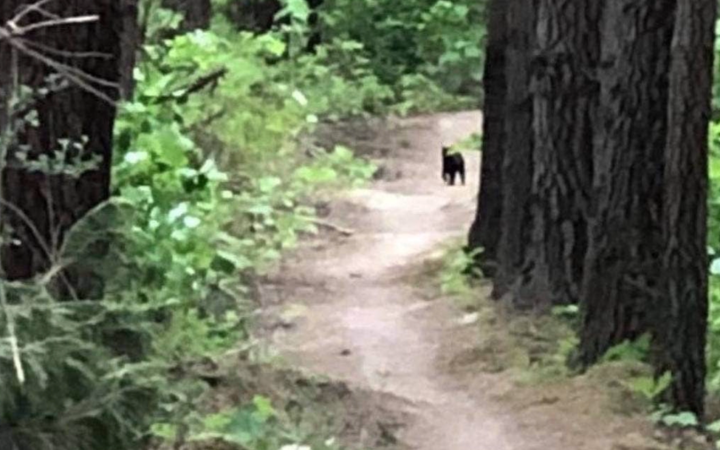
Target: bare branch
pixel 82 79
pixel 12 33
pixel 20 214
pixel 13 29
pixel 20 31
pixel 66 54
pixel 79 73
pixel 30 8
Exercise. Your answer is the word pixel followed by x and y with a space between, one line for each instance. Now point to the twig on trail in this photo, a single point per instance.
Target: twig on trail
pixel 332 226
pixel 199 84
pixel 207 121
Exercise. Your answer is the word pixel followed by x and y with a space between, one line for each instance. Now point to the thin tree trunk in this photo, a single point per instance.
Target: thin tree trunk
pixel 131 41
pixel 517 165
pixel 44 205
pixel 685 295
pixel 625 235
pixel 197 13
pixel 257 16
pixel 565 96
pixel 315 37
pixel 485 231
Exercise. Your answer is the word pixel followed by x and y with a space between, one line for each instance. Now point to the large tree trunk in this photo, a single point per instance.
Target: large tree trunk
pixel 565 96
pixel 517 165
pixel 685 297
pixel 625 236
pixel 485 231
pixel 40 206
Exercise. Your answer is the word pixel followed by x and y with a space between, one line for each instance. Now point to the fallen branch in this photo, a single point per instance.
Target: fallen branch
pixel 199 84
pixel 332 226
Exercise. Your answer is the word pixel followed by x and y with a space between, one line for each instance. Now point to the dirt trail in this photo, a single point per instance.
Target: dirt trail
pixel 358 316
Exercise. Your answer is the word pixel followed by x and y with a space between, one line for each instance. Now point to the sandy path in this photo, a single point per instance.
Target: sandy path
pixel 360 319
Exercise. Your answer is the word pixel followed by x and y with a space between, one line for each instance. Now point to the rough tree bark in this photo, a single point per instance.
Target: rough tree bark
pixel 52 202
pixel 565 96
pixel 485 231
pixel 517 164
pixel 625 236
pixel 685 297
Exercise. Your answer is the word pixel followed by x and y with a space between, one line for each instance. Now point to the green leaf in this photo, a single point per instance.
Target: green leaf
pixel 167 145
pixel 269 184
pixel 264 407
pixel 715 267
pixel 296 9
pixel 165 431
pixel 714 427
pixel 681 420
pixel 273 45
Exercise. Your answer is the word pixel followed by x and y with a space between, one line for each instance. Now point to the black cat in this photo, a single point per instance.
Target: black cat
pixel 452 165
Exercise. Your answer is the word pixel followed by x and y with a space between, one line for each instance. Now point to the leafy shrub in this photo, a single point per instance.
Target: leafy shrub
pixel 189 214
pixel 437 40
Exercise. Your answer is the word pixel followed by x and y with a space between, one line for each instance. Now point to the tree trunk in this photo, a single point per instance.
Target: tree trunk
pixel 485 231
pixel 682 333
pixel 565 96
pixel 257 16
pixel 315 25
pixel 625 236
pixel 131 41
pixel 517 164
pixel 197 13
pixel 41 205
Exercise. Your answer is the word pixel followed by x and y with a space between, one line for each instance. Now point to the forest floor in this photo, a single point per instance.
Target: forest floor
pixel 360 305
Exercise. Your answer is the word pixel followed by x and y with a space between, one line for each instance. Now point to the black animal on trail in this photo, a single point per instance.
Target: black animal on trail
pixel 452 165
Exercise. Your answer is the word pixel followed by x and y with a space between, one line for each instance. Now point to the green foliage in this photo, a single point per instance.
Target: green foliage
pixel 189 166
pixel 247 426
pixel 457 266
pixel 418 93
pixel 470 143
pixel 685 419
pixel 566 311
pixel 636 350
pixel 680 420
pixel 438 40
pixel 256 425
pixel 714 254
pixel 649 387
pixel 339 81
